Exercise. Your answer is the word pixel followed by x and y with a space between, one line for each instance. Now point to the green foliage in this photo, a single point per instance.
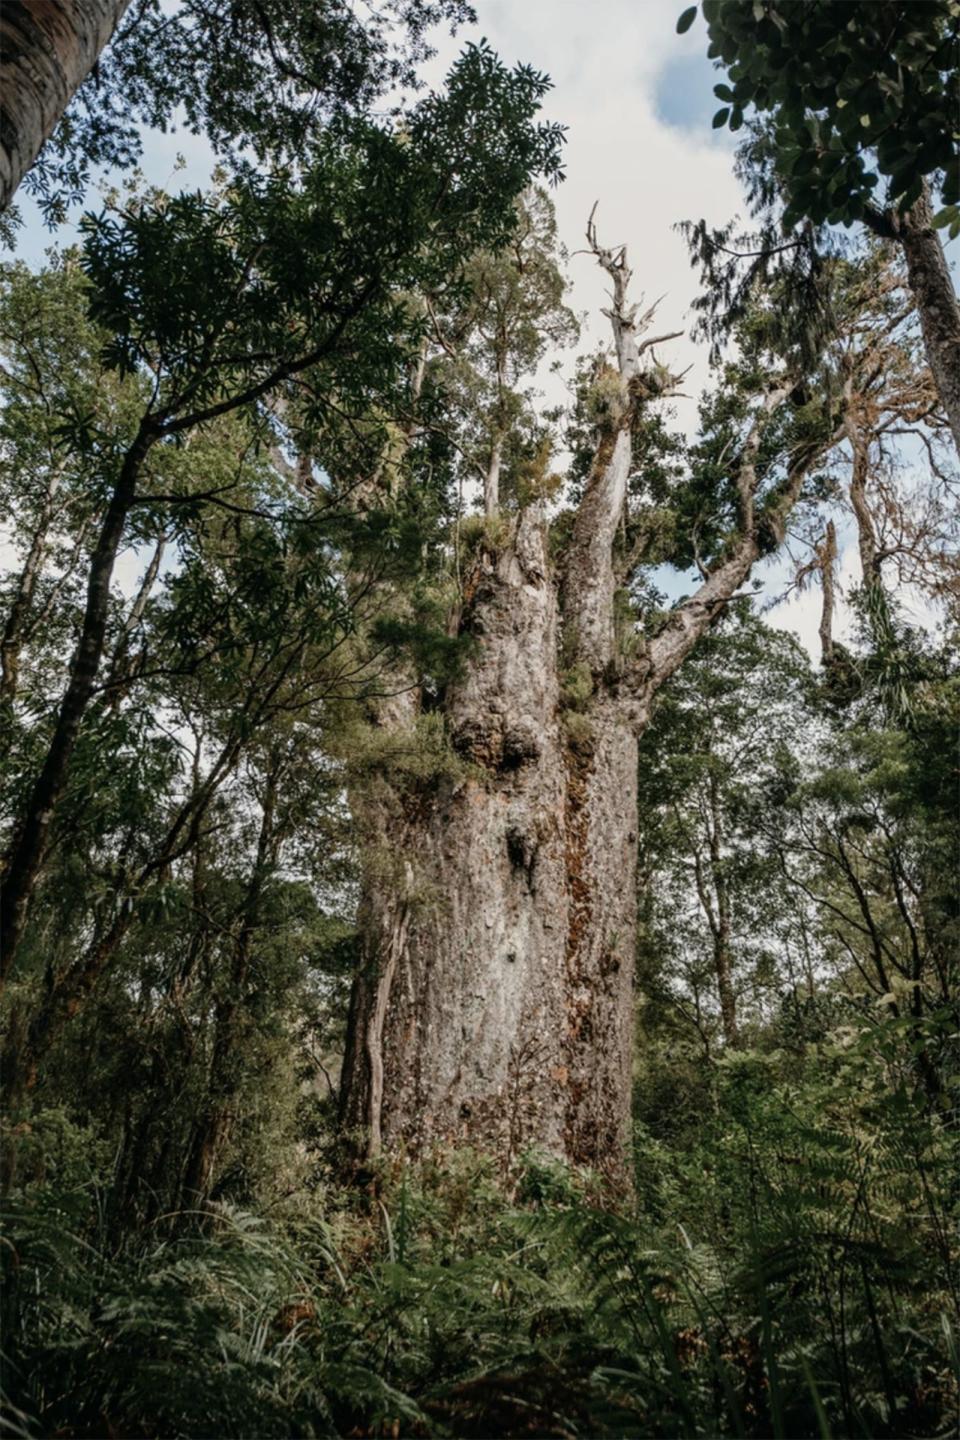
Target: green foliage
pixel 225 296
pixel 854 91
pixel 786 1266
pixel 254 77
pixel 308 365
pixel 483 534
pixel 849 115
pixel 576 687
pixel 778 1281
pixel 505 315
pixel 714 906
pixel 419 757
pixel 200 311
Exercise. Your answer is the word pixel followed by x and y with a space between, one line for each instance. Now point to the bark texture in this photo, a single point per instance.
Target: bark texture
pixel 47 50
pixel 498 907
pixel 827 556
pixel 937 305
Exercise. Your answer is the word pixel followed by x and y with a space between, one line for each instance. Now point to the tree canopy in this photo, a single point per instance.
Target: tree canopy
pixel 859 96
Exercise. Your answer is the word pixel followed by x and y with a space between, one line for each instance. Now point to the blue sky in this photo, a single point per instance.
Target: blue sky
pixel 684 95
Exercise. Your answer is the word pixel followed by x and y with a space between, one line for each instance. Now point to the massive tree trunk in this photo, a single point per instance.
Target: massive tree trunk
pixel 47 50
pixel 493 1005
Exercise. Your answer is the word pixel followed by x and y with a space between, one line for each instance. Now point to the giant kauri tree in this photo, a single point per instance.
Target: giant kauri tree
pixel 494 1002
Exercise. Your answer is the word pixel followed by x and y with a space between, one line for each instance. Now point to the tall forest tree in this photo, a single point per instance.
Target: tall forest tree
pixel 498 909
pixel 718 928
pixel 465 972
pixel 199 305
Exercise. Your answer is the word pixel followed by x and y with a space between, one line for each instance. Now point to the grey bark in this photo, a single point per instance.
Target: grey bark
pixel 939 310
pixel 721 923
pixel 590 578
pixel 859 477
pixel 47 50
pixel 494 1004
pixel 491 480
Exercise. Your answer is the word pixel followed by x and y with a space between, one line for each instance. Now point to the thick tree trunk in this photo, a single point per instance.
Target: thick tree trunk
pixel 24 860
pixel 48 49
pixel 493 1007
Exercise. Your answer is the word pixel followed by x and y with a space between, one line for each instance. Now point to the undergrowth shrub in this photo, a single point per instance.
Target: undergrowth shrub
pixel 790 1271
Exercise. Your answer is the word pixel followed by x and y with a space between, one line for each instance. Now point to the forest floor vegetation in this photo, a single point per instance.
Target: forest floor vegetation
pixel 785 1267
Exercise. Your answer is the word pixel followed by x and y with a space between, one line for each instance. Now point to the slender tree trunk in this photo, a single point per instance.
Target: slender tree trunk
pixel 491 480
pixel 48 49
pixel 13 631
pixel 722 956
pixel 937 305
pixel 210 1132
pixel 232 1016
pixel 122 667
pixel 716 908
pixel 68 993
pixel 859 477
pixel 827 555
pixel 25 858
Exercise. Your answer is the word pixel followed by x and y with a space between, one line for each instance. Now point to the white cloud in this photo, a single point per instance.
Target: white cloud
pixel 606 61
